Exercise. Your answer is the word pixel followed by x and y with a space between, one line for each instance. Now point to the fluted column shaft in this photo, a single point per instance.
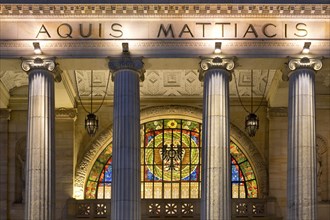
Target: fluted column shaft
pixel 126 186
pixel 301 140
pixel 40 161
pixel 216 188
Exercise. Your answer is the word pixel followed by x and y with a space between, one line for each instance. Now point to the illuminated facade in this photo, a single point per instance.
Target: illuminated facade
pixel 170 85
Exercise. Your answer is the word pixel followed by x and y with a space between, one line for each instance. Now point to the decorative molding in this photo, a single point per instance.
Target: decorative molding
pixel 171 83
pixel 215 63
pixel 162 48
pixel 167 43
pixel 305 62
pixel 176 82
pixel 100 79
pixel 5 114
pixel 65 113
pixel 187 112
pixel 127 62
pixel 13 79
pixel 4 94
pixel 277 112
pixel 164 10
pixel 321 144
pixel 260 78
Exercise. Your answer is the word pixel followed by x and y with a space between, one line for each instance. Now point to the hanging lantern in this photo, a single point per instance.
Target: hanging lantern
pixel 91 124
pixel 91 120
pixel 251 124
pixel 252 120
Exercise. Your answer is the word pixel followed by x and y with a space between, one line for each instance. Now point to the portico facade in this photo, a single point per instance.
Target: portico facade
pixel 171 120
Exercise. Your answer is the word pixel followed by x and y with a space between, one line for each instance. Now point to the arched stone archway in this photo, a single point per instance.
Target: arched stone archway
pixel 174 111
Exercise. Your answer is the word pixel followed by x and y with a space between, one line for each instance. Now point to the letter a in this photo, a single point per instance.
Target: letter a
pixel 43 30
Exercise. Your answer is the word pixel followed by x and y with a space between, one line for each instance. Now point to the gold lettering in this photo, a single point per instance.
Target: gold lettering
pixel 185 29
pixel 67 31
pixel 81 31
pixel 43 30
pixel 166 31
pixel 100 30
pixel 120 33
pixel 265 32
pixel 203 25
pixel 222 28
pixel 301 31
pixel 251 30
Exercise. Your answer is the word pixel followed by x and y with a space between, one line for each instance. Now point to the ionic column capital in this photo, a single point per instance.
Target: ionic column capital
pixel 127 62
pixel 38 63
pixel 305 63
pixel 49 64
pixel 208 63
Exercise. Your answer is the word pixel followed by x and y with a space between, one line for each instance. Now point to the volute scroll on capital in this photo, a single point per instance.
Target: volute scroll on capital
pixel 127 62
pixel 48 64
pixel 208 63
pixel 305 62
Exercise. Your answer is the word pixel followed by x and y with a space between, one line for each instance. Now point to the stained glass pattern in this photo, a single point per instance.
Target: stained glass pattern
pixel 98 184
pixel 244 184
pixel 171 164
pixel 172 158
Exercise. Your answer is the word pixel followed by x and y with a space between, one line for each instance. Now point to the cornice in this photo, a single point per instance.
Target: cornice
pixel 165 10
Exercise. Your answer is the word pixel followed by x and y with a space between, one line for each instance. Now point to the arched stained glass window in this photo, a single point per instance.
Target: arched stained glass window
pixel 171 159
pixel 171 164
pixel 98 184
pixel 243 180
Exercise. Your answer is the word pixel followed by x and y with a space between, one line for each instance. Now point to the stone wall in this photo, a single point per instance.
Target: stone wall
pixel 64 141
pixel 278 142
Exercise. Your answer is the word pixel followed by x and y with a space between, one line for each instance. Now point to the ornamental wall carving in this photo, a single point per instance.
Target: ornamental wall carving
pixel 162 83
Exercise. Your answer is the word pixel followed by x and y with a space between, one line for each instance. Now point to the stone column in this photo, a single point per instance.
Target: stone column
pixel 216 166
pixel 4 163
pixel 40 160
pixel 302 186
pixel 126 186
